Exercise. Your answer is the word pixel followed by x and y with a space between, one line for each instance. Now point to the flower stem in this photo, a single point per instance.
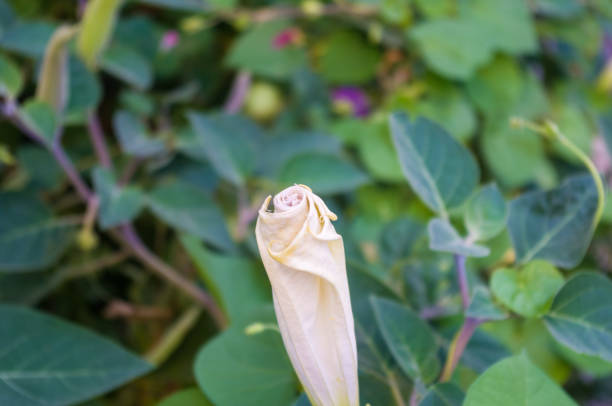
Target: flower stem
pixel 457 346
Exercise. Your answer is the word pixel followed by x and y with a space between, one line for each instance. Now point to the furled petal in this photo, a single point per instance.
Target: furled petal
pixel 304 259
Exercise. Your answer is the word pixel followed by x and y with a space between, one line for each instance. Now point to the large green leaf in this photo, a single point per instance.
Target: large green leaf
pixel 134 137
pixel 324 174
pixel 254 52
pixel 47 361
pixel 185 397
pixel 247 370
pixel 443 394
pixel 118 204
pixel 346 48
pixel 486 213
pixel 515 381
pixel 440 170
pixel 238 284
pixel 444 237
pixel 581 315
pixel 528 291
pixel 556 225
pixel 30 238
pixel 409 339
pixel 190 209
pixel 230 143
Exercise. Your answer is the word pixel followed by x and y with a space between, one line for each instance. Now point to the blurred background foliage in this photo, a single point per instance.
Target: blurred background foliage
pixel 207 107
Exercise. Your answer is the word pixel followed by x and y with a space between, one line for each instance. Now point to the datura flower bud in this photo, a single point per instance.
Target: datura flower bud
pixel 304 259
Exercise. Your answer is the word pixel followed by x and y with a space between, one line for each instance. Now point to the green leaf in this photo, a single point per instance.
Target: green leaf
pixel 134 137
pixel 444 237
pixel 409 339
pixel 229 143
pixel 84 93
pixel 443 394
pixel 254 52
pixel 40 118
pixel 485 215
pixel 559 8
pixel 253 370
pixel 49 361
pixel 53 82
pixel 237 283
pixel 482 307
pixel 448 47
pixel 515 381
pixel 118 204
pixel 96 29
pixel 377 152
pixel 28 38
pixel 184 5
pixel 581 314
pixel 185 397
pixel 377 366
pixel 30 238
pixel 11 80
pixel 528 291
pixel 398 239
pixel 507 25
pixel 344 49
pixel 556 225
pixel 324 174
pixel 440 170
pixel 127 64
pixel 190 209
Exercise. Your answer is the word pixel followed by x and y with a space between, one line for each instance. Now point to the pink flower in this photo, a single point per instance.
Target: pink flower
pixel 288 36
pixel 169 40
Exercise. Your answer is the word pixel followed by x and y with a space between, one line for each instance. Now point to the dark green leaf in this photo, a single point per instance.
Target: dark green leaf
pixel 398 238
pixel 186 5
pixel 190 209
pixel 440 170
pixel 444 237
pixel 118 204
pixel 343 49
pixel 40 118
pixel 48 361
pixel 128 65
pixel 443 394
pixel 409 339
pixel 528 291
pixel 324 174
pixel 11 79
pixel 134 137
pixel 514 381
pixel 556 225
pixel 28 38
pixel 84 92
pixel 581 315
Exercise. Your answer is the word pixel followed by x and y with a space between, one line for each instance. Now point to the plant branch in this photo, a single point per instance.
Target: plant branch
pixel 140 251
pixel 462 279
pixel 458 345
pixel 97 139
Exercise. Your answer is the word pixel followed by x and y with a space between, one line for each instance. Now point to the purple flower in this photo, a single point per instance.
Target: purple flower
pixel 352 100
pixel 169 40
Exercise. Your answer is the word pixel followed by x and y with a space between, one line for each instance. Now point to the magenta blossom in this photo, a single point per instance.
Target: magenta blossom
pixel 169 40
pixel 351 99
pixel 288 36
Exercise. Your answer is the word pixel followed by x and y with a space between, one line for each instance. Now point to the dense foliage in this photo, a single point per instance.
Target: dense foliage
pixel 458 141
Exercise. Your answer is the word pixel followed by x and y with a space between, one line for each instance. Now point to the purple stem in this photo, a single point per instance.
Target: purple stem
pixel 462 279
pixel 458 346
pixel 241 85
pixel 97 139
pixel 64 161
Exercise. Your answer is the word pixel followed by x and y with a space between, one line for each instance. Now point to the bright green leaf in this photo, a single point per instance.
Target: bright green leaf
pixel 440 170
pixel 348 49
pixel 96 29
pixel 11 80
pixel 515 381
pixel 528 291
pixel 185 397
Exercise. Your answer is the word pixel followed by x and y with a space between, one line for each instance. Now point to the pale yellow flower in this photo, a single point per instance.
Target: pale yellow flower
pixel 304 259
